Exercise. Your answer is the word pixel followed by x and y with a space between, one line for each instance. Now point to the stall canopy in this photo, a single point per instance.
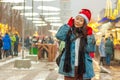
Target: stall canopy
pixel 104 19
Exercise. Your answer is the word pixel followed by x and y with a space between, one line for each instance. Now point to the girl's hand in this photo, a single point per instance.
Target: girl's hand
pixel 70 22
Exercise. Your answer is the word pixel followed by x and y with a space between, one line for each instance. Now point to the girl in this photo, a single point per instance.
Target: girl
pixel 75 63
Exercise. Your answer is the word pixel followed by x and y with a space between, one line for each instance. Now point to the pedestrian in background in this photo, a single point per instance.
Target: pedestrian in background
pixel 109 48
pixel 1 44
pixel 6 45
pixel 13 40
pixel 62 45
pixel 50 40
pixel 112 39
pixel 16 44
pixel 102 51
pixel 76 63
pixel 27 43
pixel 44 51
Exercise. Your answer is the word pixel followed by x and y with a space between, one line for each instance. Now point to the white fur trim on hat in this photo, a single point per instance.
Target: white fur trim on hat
pixel 85 17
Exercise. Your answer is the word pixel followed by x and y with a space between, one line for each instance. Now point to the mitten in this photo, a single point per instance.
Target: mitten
pixel 89 30
pixel 92 54
pixel 70 22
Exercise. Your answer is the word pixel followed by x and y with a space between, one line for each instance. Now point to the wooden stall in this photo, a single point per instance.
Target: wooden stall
pixel 50 48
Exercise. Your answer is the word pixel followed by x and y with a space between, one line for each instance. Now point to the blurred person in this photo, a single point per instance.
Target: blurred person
pixel 6 45
pixel 102 51
pixel 112 39
pixel 13 40
pixel 62 45
pixel 44 51
pixel 27 43
pixel 34 39
pixel 43 40
pixel 50 40
pixel 109 47
pixel 1 44
pixel 30 38
pixel 16 44
pixel 76 63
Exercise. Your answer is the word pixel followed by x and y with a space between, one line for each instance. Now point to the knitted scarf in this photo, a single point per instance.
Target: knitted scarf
pixel 81 55
pixel 81 51
pixel 67 63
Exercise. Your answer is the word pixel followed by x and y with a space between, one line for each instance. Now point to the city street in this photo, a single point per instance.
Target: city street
pixel 43 70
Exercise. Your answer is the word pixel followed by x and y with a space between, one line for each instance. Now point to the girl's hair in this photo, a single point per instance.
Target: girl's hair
pixel 84 29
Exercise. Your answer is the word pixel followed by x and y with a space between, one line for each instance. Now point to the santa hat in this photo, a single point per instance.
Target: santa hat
pixel 86 14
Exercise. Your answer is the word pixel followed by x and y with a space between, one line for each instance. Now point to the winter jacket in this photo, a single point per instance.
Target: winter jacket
pixel 13 40
pixel 102 48
pixel 61 35
pixel 17 40
pixel 6 42
pixel 109 47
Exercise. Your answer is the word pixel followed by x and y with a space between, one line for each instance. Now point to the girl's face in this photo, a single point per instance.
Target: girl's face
pixel 79 21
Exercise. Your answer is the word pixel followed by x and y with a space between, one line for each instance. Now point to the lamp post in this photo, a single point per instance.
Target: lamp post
pixel 23 32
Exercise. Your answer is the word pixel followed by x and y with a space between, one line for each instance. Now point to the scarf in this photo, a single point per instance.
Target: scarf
pixel 81 55
pixel 81 51
pixel 67 64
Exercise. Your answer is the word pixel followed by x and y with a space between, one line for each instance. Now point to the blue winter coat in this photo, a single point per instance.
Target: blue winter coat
pixel 61 35
pixel 102 48
pixel 6 42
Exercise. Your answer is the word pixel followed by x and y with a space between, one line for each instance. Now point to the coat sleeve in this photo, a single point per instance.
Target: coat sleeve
pixel 62 32
pixel 91 47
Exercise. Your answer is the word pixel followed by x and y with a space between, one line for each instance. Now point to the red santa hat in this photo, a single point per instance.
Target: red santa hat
pixel 86 14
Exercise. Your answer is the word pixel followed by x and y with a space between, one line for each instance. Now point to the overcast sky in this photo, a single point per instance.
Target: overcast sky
pixel 94 5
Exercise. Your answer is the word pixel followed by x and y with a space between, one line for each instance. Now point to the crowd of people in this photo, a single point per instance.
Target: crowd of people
pixel 106 50
pixel 9 45
pixel 30 43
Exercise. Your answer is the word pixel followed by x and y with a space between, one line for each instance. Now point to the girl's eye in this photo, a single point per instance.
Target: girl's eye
pixel 81 20
pixel 77 18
